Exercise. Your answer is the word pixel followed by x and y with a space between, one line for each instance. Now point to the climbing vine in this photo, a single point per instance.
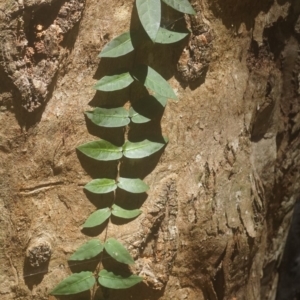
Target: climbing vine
pixel 149 12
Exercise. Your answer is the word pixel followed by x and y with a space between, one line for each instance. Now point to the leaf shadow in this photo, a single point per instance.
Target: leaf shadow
pixel 121 221
pixel 116 267
pixel 85 265
pixel 86 295
pixel 150 131
pixel 151 108
pixel 103 99
pixel 129 200
pixel 114 65
pixel 140 291
pixel 96 230
pixel 98 169
pixel 112 135
pixel 148 107
pixel 140 168
pixel 100 200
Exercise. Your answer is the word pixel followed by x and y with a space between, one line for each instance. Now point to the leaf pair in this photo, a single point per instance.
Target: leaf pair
pixel 105 185
pixel 141 112
pixel 116 117
pixel 101 215
pixel 94 247
pixel 83 281
pixel 149 12
pixel 123 44
pixel 105 151
pixel 143 74
pixel 79 282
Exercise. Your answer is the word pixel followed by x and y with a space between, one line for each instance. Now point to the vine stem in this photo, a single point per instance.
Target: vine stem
pixel 133 97
pixel 126 131
pixel 99 265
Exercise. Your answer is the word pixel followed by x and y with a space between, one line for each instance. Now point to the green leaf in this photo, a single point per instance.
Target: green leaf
pixel 75 283
pixel 97 218
pixel 153 81
pixel 141 149
pixel 88 250
pixel 149 12
pixel 119 212
pixel 109 117
pixel 113 281
pixel 161 99
pixel 181 5
pixel 132 185
pixel 137 117
pixel 101 186
pixel 117 251
pixel 119 46
pixel 101 150
pixel 114 82
pixel 165 36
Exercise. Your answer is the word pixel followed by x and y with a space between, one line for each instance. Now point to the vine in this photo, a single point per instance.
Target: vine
pixel 149 12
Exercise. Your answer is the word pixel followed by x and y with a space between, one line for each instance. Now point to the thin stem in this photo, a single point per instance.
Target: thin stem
pixel 99 265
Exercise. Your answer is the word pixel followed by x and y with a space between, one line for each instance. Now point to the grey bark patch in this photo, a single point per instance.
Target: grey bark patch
pixel 196 56
pixel 33 46
pixel 157 241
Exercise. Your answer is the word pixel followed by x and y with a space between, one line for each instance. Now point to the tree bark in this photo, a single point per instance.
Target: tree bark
pixel 222 193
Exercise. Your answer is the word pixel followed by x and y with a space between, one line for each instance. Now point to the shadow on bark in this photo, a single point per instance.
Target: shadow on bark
pixel 289 270
pixel 233 13
pixel 33 276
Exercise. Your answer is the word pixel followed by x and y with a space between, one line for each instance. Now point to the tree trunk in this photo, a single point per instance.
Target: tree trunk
pixel 222 192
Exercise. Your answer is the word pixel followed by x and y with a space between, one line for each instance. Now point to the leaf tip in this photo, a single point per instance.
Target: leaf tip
pixel 52 292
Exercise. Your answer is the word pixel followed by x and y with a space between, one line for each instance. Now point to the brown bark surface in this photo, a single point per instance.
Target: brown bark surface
pixel 222 192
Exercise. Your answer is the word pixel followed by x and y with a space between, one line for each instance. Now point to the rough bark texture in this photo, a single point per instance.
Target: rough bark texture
pixel 221 194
